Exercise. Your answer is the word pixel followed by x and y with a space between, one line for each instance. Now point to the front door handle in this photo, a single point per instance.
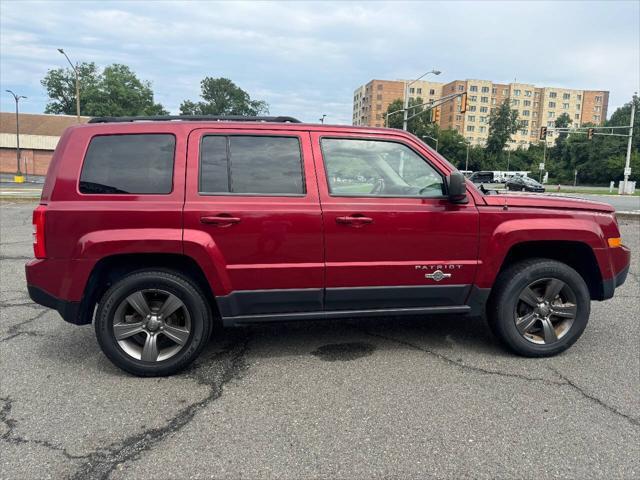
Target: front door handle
pixel 354 220
pixel 222 220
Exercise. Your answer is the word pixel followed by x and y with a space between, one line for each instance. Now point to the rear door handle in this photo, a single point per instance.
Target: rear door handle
pixel 354 220
pixel 222 220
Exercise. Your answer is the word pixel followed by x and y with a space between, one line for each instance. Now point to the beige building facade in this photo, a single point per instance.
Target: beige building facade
pixel 536 106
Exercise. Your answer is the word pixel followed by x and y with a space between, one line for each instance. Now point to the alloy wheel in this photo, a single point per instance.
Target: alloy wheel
pixel 545 311
pixel 151 325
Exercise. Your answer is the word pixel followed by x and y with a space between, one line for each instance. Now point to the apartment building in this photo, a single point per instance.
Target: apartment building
pixel 536 106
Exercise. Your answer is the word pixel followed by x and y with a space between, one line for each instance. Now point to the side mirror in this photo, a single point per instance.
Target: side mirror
pixel 457 188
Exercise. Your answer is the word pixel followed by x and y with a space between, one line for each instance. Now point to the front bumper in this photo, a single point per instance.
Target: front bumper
pixel 609 285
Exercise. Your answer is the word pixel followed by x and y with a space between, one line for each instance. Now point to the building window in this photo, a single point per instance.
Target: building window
pixel 534 124
pixel 527 103
pixel 579 98
pixel 473 98
pixel 536 94
pixel 552 104
pixel 484 99
pixel 524 132
pixel 473 88
pixel 553 94
pixel 484 109
pixel 472 108
pixel 483 129
pixel 432 92
pixel 493 101
pixel 471 118
pixel 516 92
pixel 597 108
pixel 470 128
pixel 565 106
pixel 577 106
pixel 483 119
pixel 598 99
pixel 378 106
pixel 515 102
pixel 551 114
pixel 551 124
pixel 485 89
pixel 524 123
pixel 461 88
pixel 458 118
pixel 412 90
pixel 577 116
pixel 494 90
pixel 596 118
pixel 527 93
pixel 419 91
pixel 566 96
pixel 525 113
pixel 505 92
pixel 380 86
pixel 378 97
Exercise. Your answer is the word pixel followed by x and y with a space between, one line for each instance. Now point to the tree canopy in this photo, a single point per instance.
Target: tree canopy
pixel 503 123
pixel 223 97
pixel 116 91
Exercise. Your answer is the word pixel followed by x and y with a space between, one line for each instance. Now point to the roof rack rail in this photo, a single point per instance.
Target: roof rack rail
pixel 195 118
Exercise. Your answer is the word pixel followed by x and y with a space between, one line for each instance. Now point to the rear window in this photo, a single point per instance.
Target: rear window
pixel 119 164
pixel 248 165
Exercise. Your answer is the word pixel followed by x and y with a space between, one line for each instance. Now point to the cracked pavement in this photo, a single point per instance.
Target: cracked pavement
pixel 395 397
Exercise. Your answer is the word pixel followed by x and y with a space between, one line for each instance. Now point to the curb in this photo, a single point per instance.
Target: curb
pixel 629 215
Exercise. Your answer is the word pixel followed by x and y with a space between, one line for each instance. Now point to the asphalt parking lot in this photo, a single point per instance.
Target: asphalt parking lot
pixel 391 398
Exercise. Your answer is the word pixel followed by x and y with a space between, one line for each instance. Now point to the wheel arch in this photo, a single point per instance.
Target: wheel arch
pixel 578 255
pixel 110 269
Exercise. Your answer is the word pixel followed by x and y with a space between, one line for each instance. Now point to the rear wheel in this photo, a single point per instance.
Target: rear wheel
pixel 153 323
pixel 540 307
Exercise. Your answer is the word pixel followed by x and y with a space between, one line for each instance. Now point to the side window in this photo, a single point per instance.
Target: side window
pixel 251 165
pixel 377 168
pixel 133 163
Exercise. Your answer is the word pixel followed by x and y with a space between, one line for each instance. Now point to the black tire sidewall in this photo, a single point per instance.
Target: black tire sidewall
pixel 176 284
pixel 514 281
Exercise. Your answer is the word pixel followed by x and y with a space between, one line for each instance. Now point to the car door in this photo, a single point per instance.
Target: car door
pixel 392 237
pixel 252 217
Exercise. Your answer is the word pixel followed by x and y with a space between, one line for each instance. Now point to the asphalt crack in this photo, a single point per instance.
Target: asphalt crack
pixel 10 435
pixel 16 330
pixel 565 381
pixel 215 372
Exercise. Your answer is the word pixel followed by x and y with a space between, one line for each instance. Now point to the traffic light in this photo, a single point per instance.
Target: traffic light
pixel 463 102
pixel 590 133
pixel 436 114
pixel 543 133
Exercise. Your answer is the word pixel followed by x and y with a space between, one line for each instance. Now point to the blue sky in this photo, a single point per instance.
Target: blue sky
pixel 306 58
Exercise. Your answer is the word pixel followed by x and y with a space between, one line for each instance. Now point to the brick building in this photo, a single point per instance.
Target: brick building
pixel 536 106
pixel 39 135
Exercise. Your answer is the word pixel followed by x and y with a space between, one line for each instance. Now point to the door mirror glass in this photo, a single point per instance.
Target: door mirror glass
pixel 457 188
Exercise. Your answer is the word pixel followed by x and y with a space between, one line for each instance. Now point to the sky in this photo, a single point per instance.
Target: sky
pixel 306 58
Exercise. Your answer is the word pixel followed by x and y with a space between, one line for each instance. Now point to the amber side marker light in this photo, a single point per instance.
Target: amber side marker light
pixel 614 242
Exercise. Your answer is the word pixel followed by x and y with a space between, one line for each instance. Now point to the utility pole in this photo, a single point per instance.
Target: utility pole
pixel 466 165
pixel 18 178
pixel 405 120
pixel 627 163
pixel 75 70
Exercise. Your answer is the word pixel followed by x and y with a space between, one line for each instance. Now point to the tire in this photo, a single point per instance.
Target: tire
pixel 174 339
pixel 545 329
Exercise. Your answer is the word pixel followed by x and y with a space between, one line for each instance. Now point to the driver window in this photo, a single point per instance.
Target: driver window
pixel 365 168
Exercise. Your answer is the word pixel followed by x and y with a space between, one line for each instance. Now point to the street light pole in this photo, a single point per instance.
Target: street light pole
pixel 466 165
pixel 627 163
pixel 323 117
pixel 434 139
pixel 18 178
pixel 75 70
pixel 405 120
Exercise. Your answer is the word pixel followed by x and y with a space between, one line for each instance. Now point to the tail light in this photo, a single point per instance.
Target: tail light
pixel 39 249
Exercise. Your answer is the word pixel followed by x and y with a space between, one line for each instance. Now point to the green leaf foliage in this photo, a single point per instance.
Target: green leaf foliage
pixel 220 96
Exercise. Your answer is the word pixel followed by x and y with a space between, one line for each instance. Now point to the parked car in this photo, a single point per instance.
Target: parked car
pixel 481 177
pixel 157 231
pixel 524 184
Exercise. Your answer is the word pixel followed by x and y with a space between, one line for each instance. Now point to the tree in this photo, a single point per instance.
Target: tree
pixel 503 123
pixel 116 91
pixel 223 97
pixel 420 125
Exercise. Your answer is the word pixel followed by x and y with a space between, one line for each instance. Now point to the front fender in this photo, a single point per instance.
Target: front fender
pixel 512 232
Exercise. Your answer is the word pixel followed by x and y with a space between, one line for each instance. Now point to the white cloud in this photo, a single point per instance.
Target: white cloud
pixel 306 58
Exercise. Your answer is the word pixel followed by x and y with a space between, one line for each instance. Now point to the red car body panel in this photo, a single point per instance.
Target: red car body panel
pixel 294 243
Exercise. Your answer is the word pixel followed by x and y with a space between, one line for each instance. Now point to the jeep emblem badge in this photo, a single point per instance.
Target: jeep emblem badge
pixel 437 275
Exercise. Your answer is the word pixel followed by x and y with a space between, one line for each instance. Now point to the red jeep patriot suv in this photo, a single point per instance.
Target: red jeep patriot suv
pixel 156 228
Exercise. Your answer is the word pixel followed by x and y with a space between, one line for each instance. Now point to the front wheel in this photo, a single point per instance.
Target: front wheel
pixel 540 307
pixel 153 323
